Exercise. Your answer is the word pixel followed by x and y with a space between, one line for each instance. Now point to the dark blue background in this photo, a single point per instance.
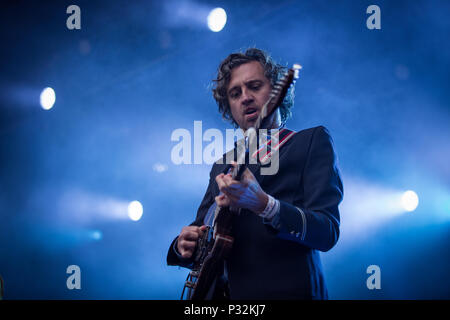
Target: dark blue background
pixel 136 71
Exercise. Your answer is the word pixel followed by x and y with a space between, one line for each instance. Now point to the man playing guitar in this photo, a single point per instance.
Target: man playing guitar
pixel 284 219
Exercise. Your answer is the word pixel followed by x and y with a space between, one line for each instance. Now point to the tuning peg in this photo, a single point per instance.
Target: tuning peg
pixel 296 68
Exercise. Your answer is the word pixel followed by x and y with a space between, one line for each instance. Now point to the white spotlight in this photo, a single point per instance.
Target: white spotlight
pixel 217 19
pixel 47 98
pixel 410 200
pixel 135 210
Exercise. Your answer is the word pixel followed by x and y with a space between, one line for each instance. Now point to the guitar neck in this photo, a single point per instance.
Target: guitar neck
pixel 276 98
pixel 277 95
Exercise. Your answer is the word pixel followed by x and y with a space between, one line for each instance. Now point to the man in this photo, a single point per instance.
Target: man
pixel 285 218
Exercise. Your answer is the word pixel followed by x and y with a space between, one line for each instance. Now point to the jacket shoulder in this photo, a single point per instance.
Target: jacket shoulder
pixel 311 131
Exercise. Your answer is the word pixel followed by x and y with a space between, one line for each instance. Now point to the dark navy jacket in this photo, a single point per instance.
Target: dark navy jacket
pixel 280 259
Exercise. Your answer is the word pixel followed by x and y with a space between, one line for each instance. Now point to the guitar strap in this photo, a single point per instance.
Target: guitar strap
pixel 274 142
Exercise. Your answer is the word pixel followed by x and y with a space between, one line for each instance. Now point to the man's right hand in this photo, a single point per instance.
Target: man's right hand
pixel 187 240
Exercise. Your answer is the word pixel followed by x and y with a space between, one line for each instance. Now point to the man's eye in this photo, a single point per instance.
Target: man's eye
pixel 234 95
pixel 255 86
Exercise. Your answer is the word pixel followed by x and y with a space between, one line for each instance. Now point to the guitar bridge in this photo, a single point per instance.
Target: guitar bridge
pixel 190 283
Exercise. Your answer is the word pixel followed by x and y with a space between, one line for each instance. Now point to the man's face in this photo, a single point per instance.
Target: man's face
pixel 247 92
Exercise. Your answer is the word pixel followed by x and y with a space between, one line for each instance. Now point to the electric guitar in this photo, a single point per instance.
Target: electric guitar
pixel 216 243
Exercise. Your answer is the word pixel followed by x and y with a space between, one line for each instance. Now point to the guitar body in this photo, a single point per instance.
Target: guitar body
pixel 209 257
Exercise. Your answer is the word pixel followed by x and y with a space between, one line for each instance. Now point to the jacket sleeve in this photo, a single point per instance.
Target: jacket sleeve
pixel 314 220
pixel 173 257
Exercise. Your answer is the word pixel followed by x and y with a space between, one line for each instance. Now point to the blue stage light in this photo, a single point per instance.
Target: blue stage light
pixel 160 167
pixel 217 19
pixel 135 210
pixel 96 235
pixel 410 200
pixel 47 98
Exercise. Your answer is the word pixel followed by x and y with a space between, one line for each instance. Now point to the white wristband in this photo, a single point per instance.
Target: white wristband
pixel 271 209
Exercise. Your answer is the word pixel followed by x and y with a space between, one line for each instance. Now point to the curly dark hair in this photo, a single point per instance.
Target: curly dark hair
pixel 272 70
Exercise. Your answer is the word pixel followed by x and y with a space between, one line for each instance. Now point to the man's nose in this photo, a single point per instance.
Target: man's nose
pixel 247 98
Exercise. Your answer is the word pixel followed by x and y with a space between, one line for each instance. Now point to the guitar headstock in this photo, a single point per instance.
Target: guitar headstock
pixel 279 92
pixel 282 86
